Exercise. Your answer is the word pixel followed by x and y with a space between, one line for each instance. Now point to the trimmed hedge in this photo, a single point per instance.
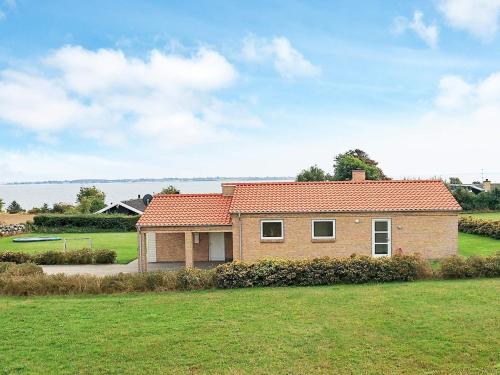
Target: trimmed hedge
pixel 83 256
pixel 84 223
pixel 322 271
pixel 490 228
pixel 457 267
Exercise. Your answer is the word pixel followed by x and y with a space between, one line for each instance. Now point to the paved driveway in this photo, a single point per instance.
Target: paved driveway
pixel 91 269
pixel 113 269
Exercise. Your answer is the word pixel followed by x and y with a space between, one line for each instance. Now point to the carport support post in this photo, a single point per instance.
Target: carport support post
pixel 188 246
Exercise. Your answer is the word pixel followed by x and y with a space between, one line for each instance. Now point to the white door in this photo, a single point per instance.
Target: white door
pixel 216 250
pixel 381 237
pixel 151 246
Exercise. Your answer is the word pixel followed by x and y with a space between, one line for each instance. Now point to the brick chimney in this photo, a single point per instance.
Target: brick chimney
pixel 487 185
pixel 228 189
pixel 358 175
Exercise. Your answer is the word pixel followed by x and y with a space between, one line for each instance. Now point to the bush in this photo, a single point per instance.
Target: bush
pixel 49 257
pixel 322 271
pixel 10 256
pixel 83 256
pixel 104 256
pixel 195 279
pixel 24 269
pixel 85 223
pixel 4 266
pixel 41 284
pixel 482 227
pixel 457 267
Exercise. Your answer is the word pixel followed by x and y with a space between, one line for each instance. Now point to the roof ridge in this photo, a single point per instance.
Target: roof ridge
pixel 191 195
pixel 333 182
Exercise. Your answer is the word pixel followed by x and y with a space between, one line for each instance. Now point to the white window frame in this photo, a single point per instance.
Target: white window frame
pixel 389 235
pixel 272 221
pixel 313 221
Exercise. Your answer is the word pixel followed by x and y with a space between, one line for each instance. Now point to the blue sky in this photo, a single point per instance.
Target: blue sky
pixel 124 89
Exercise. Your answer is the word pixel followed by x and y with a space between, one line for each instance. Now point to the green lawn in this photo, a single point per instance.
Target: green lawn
pixel 473 244
pixel 124 243
pixel 432 327
pixel 484 215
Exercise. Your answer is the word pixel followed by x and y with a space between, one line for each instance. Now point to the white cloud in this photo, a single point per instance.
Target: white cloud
pixel 2 15
pixel 479 17
pixel 106 95
pixel 458 95
pixel 428 33
pixel 465 117
pixel 454 92
pixel 287 61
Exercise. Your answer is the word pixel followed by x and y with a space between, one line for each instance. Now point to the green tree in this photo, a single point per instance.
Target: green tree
pixel 1 204
pixel 356 159
pixel 14 208
pixel 313 173
pixel 361 155
pixel 345 164
pixel 62 208
pixel 171 189
pixel 90 199
pixel 464 198
pixel 455 180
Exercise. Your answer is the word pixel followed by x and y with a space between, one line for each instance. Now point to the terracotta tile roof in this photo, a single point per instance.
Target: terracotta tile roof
pixel 343 196
pixel 186 210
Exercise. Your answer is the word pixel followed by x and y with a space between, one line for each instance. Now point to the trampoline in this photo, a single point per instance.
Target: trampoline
pixel 36 239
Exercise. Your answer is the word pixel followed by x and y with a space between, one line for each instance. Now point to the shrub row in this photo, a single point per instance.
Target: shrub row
pixel 469 224
pixel 322 271
pixel 42 284
pixel 84 223
pixel 461 268
pixel 82 256
pixel 24 269
pixel 28 279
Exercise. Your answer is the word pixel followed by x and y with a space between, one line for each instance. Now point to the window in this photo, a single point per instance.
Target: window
pixel 271 229
pixel 323 229
pixel 381 237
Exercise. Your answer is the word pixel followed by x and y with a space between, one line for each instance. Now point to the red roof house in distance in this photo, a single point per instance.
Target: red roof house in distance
pixel 250 221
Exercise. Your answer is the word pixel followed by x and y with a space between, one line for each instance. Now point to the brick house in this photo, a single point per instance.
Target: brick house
pixel 250 221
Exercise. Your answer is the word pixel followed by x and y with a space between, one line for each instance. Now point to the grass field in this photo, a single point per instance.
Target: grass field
pixel 124 243
pixel 432 327
pixel 472 244
pixel 484 215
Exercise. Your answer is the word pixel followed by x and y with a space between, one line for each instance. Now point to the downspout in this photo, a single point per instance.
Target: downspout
pixel 241 234
pixel 139 242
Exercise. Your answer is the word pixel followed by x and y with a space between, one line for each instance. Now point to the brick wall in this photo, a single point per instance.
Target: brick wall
pixel 434 235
